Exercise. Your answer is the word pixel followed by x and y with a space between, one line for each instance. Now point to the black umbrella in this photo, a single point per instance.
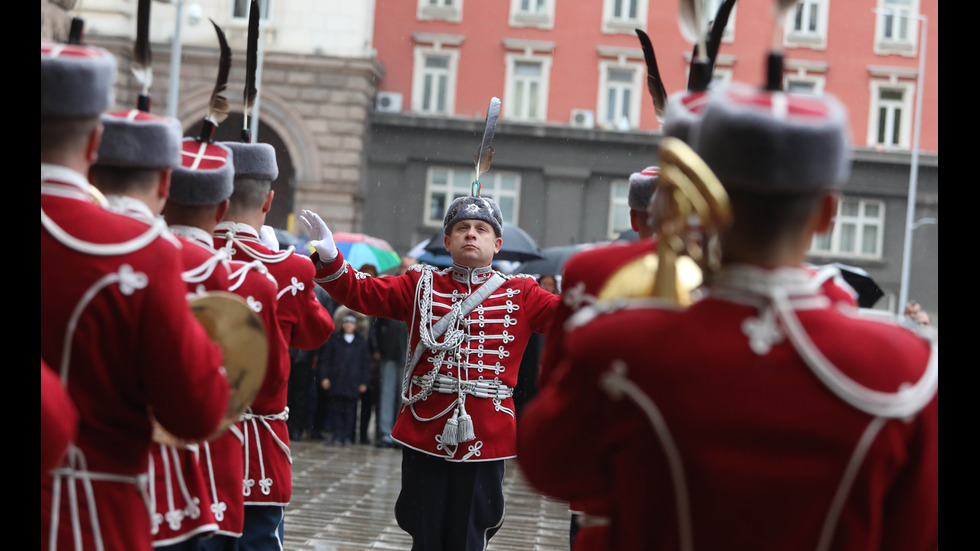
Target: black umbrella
pixel 552 263
pixel 868 291
pixel 517 246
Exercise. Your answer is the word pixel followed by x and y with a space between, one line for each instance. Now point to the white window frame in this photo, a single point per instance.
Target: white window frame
pixel 859 222
pixel 511 80
pixel 618 24
pixel 635 87
pixel 420 71
pixel 243 18
pixel 805 38
pixel 904 46
pixel 905 131
pixel 541 19
pixel 618 204
pixel 490 186
pixel 440 10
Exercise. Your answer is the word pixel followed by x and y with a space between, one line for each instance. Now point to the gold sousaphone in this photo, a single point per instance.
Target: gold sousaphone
pixel 239 332
pixel 690 206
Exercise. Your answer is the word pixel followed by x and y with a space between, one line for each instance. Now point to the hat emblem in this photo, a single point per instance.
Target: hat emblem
pixel 472 207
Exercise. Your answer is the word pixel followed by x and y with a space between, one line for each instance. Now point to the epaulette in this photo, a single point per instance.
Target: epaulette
pixel 421 267
pixel 513 276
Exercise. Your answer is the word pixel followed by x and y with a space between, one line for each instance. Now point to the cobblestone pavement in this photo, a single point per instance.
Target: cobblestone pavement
pixel 344 499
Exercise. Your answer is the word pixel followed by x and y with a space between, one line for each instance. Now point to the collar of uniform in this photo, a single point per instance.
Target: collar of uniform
pixel 239 230
pixel 472 276
pixel 741 278
pixel 193 234
pixel 133 208
pixel 69 183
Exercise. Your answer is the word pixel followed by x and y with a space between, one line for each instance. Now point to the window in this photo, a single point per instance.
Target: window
pixel 445 10
pixel 857 230
pixel 619 95
pixel 240 9
pixel 434 76
pixel 890 120
pixel 445 184
pixel 532 13
pixel 806 25
pixel 436 86
pixel 895 27
pixel 527 87
pixel 623 16
pixel 804 76
pixel 619 208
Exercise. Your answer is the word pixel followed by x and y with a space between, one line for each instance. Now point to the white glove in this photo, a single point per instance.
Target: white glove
pixel 267 237
pixel 320 236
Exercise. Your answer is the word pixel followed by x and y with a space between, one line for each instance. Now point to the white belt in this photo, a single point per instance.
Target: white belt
pixel 265 483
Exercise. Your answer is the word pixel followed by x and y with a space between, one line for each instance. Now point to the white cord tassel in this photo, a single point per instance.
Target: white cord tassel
pixel 450 433
pixel 465 425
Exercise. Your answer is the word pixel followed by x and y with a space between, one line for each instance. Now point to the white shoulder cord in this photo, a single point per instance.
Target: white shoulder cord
pixel 273 258
pixel 203 271
pixel 103 249
pixel 903 403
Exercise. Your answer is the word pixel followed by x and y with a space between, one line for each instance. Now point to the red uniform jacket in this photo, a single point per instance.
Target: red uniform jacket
pixel 483 348
pixel 115 325
pixel 303 323
pixel 59 420
pixel 714 431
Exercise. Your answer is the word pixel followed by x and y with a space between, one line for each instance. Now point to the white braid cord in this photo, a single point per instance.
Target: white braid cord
pixel 847 480
pixel 907 401
pixel 217 507
pixel 203 271
pixel 234 241
pixel 615 383
pixel 76 470
pixel 265 484
pixel 103 249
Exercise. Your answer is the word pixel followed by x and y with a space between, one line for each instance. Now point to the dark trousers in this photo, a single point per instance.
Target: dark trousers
pixel 449 506
pixel 343 412
pixel 264 527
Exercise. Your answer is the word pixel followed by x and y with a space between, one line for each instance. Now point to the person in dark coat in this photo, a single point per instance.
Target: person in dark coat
pixel 343 372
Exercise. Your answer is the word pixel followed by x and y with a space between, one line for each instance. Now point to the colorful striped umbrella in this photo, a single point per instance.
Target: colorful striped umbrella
pixel 360 249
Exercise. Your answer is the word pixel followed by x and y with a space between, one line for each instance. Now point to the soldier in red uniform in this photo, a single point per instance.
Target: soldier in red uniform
pixel 118 330
pixel 136 158
pixel 468 327
pixel 764 416
pixel 303 323
pixel 582 279
pixel 198 200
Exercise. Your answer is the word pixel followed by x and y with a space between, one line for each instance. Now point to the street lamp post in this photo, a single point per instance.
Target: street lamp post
pixel 903 295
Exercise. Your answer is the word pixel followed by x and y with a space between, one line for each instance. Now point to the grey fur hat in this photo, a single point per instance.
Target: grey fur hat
pixel 135 139
pixel 642 186
pixel 76 80
pixel 774 142
pixel 474 208
pixel 254 160
pixel 683 114
pixel 205 176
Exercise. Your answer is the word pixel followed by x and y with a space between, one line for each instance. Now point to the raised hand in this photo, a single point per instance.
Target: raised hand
pixel 320 235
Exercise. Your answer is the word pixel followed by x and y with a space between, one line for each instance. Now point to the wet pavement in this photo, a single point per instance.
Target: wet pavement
pixel 344 499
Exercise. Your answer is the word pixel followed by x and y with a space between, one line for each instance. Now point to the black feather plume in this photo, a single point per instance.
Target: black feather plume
pixel 142 55
pixel 251 63
pixel 218 104
pixel 654 83
pixel 718 30
pixel 701 70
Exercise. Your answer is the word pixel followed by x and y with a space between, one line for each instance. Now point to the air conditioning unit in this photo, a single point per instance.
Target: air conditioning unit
pixel 583 118
pixel 388 102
